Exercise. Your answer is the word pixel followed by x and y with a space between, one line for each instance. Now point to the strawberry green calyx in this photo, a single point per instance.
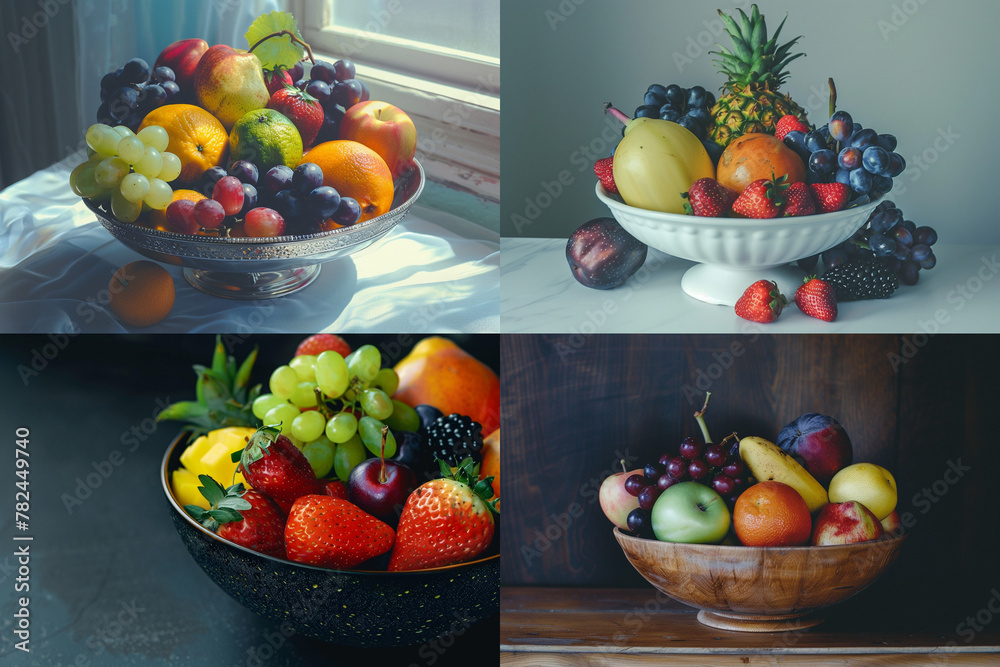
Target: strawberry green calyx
pixel 225 504
pixel 467 473
pixel 258 445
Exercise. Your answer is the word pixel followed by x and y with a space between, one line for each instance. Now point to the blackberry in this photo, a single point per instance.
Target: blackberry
pixel 862 278
pixel 452 438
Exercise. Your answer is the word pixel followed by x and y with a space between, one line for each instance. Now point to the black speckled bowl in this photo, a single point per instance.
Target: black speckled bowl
pixel 348 607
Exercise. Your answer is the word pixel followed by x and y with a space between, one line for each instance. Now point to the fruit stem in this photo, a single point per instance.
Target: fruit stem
pixel 295 40
pixel 833 103
pixel 615 113
pixel 622 462
pixel 700 416
pixel 382 476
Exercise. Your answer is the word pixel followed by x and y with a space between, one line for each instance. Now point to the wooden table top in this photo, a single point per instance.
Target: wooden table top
pixel 544 627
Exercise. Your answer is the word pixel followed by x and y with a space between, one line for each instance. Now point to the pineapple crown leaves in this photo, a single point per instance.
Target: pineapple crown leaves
pixel 222 393
pixel 224 504
pixel 467 473
pixel 755 59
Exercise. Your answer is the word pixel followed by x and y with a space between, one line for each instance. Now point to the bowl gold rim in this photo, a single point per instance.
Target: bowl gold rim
pixel 621 535
pixel 797 222
pixel 168 492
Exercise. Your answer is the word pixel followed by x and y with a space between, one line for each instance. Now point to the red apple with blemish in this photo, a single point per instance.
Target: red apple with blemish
pixel 615 501
pixel 819 443
pixel 385 129
pixel 845 523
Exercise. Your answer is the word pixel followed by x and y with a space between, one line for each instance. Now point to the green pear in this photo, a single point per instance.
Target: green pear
pixel 229 83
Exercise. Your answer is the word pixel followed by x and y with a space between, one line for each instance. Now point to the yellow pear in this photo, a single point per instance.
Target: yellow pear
pixel 871 485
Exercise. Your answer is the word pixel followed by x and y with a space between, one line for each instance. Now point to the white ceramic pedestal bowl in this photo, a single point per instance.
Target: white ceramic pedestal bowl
pixel 733 253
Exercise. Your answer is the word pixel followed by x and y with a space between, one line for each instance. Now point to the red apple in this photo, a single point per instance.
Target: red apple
pixel 182 57
pixel 891 525
pixel 819 443
pixel 385 129
pixel 845 523
pixel 616 502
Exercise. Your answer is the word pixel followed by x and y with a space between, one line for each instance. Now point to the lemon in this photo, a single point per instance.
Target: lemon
pixel 871 485
pixel 267 138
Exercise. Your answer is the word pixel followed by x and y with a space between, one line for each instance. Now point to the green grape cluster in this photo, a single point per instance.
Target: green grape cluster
pixel 334 409
pixel 126 168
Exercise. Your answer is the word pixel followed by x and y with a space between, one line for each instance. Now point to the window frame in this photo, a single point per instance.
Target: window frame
pixel 454 100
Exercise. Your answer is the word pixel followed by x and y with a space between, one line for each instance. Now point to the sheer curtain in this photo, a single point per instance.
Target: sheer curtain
pixel 110 32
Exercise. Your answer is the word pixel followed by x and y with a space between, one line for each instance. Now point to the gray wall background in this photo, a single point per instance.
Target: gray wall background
pixel 924 70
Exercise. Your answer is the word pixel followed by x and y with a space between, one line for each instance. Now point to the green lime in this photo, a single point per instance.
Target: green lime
pixel 267 138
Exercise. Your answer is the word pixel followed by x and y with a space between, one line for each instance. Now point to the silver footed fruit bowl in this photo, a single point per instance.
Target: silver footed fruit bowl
pixel 260 268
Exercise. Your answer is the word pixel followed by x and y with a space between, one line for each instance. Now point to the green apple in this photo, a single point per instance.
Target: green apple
pixel 692 513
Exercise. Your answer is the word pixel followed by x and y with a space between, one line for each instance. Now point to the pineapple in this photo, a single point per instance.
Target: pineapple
pixel 755 68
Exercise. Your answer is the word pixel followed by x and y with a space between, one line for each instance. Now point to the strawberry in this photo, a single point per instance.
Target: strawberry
pixel 605 174
pixel 302 109
pixel 788 124
pixel 321 343
pixel 276 467
pixel 244 517
pixel 277 79
pixel 761 302
pixel 331 532
pixel 334 487
pixel 709 199
pixel 816 298
pixel 762 199
pixel 445 520
pixel 831 197
pixel 799 200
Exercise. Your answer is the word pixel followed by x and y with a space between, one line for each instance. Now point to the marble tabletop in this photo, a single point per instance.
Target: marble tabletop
pixel 538 294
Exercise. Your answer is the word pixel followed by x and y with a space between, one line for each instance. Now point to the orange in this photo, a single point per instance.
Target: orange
pixel 755 156
pixel 196 137
pixel 438 372
pixel 491 460
pixel 772 514
pixel 355 171
pixel 141 293
pixel 157 220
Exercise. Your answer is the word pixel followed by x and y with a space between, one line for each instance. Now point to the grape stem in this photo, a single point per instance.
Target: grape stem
pixel 727 438
pixel 833 103
pixel 382 476
pixel 295 40
pixel 700 417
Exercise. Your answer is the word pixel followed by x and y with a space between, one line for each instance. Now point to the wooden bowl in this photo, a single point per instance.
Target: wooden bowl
pixel 759 589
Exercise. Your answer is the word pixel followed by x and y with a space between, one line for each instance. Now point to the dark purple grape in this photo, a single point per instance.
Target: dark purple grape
pixel 695 126
pixel 920 252
pixel 365 93
pixel 301 83
pixel 648 496
pixel 909 273
pixel 902 235
pixel 135 71
pixel 344 69
pixel 347 93
pixel 163 74
pixel 638 521
pixel 815 141
pixel 277 178
pixel 665 482
pixel 108 83
pixel 724 485
pixel 323 201
pixel 171 89
pixel 213 175
pixel 850 158
pixel 323 71
pixel 896 165
pixel 882 184
pixel 864 138
pixel 249 200
pixel 306 178
pixel 635 483
pixel 876 160
pixel 319 89
pixel 807 264
pixel 121 102
pixel 151 97
pixel 297 71
pixel 696 97
pixel 841 126
pixel 652 471
pixel 925 235
pixel 677 467
pixel 861 181
pixel 697 469
pixel 929 263
pixel 733 467
pixel 739 482
pixel 886 141
pixel 881 245
pixel 246 171
pixel 715 456
pixel 288 204
pixel 663 460
pixel 348 213
pixel 690 448
pixel 834 257
pixel 103 115
pixel 823 161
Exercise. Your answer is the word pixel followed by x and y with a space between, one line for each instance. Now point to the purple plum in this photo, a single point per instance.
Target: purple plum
pixel 602 255
pixel 819 443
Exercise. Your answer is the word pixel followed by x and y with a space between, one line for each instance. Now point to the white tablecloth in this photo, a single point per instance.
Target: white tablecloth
pixel 433 273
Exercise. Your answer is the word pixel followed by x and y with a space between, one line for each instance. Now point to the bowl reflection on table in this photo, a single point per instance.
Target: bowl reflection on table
pixel 261 268
pixel 365 608
pixel 733 253
pixel 759 589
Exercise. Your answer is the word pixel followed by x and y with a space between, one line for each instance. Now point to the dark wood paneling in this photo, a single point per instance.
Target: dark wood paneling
pixel 569 403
